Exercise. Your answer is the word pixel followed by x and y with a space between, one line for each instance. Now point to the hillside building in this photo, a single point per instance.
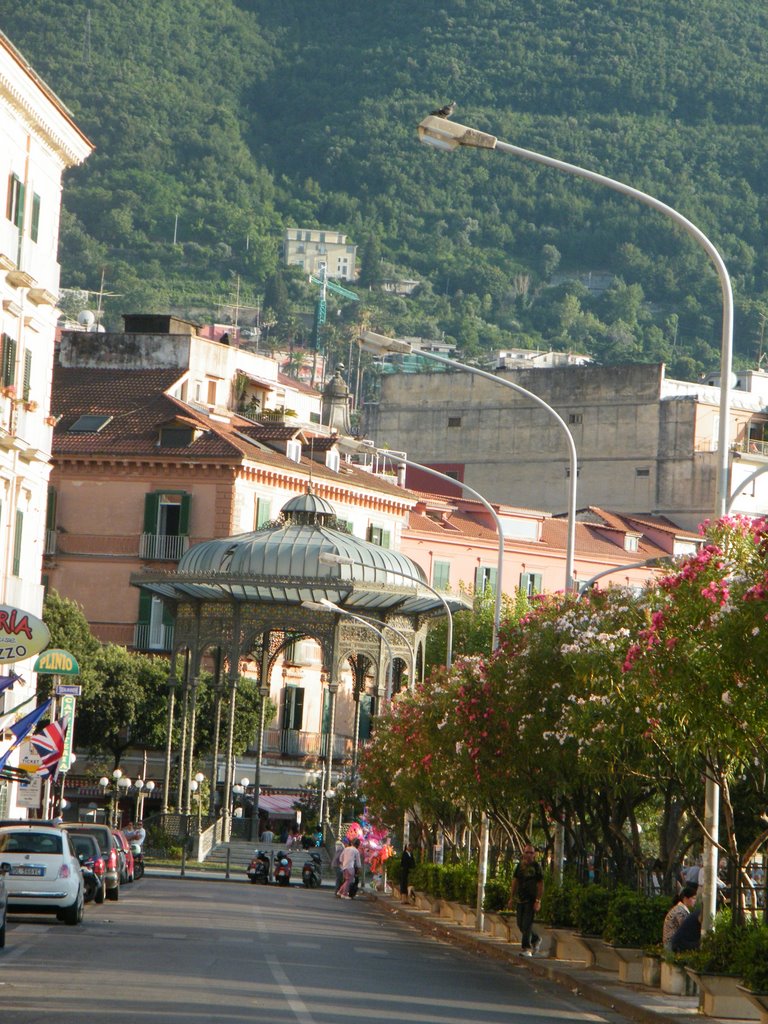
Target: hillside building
pixel 645 443
pixel 312 248
pixel 39 140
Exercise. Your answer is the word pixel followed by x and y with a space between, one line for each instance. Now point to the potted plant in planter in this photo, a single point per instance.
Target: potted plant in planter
pixel 714 967
pixel 497 917
pixel 633 922
pixel 558 910
pixel 752 965
pixel 591 917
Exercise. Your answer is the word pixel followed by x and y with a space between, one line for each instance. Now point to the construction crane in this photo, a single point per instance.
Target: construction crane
pixel 325 286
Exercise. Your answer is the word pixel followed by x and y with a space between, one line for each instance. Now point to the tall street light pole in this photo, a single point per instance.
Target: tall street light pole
pixel 380 343
pixel 444 134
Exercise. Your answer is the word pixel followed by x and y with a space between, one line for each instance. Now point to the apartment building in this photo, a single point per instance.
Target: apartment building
pixel 39 140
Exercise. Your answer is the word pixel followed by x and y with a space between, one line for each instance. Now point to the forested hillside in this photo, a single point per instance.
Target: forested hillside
pixel 225 123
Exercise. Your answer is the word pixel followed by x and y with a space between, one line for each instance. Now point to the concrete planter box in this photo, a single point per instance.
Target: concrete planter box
pixel 599 953
pixel 459 913
pixel 567 945
pixel 498 925
pixel 651 971
pixel 675 980
pixel 630 964
pixel 760 1002
pixel 427 903
pixel 722 995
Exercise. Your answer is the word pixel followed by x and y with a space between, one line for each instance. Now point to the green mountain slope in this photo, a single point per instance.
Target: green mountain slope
pixel 227 123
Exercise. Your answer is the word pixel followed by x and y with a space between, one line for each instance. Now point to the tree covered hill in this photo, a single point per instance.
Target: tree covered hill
pixel 226 123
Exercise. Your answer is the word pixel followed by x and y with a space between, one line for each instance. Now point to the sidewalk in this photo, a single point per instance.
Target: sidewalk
pixel 634 1002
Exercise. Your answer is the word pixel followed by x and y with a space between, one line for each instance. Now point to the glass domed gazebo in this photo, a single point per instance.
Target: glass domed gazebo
pixel 244 601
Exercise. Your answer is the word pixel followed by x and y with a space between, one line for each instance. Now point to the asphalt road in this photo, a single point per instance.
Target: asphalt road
pixel 176 951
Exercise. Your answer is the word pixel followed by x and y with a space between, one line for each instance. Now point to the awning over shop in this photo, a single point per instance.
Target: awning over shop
pixel 278 805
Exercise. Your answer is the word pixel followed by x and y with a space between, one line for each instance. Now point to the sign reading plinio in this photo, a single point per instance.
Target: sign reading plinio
pixel 21 634
pixel 60 663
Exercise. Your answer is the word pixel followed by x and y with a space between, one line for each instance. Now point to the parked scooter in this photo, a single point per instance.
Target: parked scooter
pixel 138 860
pixel 283 865
pixel 311 873
pixel 258 869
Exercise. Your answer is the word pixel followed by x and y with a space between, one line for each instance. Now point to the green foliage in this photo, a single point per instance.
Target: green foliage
pixel 496 895
pixel 722 950
pixel 634 919
pixel 592 905
pixel 240 149
pixel 558 901
pixel 751 959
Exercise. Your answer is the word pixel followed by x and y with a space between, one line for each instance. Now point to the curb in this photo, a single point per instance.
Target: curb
pixel 577 980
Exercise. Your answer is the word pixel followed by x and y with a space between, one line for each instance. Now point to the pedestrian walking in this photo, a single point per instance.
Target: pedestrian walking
pixel 406 863
pixel 525 896
pixel 350 864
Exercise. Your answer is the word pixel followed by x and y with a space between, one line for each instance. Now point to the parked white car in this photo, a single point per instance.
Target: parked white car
pixel 42 873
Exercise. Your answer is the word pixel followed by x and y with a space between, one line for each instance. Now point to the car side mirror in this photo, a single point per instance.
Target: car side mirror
pixel 5 867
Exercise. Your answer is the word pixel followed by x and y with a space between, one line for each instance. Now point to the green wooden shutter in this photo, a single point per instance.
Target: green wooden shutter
pixel 145 607
pixel 17 542
pixel 34 227
pixel 536 583
pixel 9 360
pixel 479 579
pixel 441 575
pixel 186 501
pixel 19 220
pixel 151 508
pixel 168 616
pixel 525 583
pixel 50 509
pixel 27 385
pixel 386 539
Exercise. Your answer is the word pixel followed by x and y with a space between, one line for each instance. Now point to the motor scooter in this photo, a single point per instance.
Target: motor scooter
pixel 283 865
pixel 312 873
pixel 138 860
pixel 258 869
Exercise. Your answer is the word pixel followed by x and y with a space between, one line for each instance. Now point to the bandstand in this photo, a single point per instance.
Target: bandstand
pixel 240 602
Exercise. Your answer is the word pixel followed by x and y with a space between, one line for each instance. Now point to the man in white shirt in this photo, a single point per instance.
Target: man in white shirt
pixel 350 864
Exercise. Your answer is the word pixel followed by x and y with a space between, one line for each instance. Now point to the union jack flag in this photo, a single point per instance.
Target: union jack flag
pixel 49 743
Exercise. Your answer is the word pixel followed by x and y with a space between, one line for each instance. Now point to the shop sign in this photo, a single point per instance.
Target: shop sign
pixel 21 634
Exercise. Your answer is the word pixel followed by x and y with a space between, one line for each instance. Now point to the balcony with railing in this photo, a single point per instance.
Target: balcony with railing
pixel 751 446
pixel 152 636
pixel 294 743
pixel 160 547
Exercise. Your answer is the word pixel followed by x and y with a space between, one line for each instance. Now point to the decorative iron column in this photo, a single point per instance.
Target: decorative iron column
pixel 218 691
pixel 172 684
pixel 264 692
pixel 190 745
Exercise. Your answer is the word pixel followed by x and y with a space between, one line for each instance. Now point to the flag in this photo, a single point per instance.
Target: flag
pixel 6 682
pixel 23 727
pixel 7 720
pixel 49 743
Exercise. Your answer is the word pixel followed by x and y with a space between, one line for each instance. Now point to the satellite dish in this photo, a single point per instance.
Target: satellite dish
pixel 87 318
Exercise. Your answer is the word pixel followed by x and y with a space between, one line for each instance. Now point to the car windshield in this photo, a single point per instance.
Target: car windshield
pixel 31 842
pixel 101 835
pixel 85 844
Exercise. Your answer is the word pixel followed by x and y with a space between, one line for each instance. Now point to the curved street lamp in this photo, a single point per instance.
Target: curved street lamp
pixel 444 134
pixel 329 558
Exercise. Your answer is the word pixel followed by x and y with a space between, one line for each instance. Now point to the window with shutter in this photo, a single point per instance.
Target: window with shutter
pixel 9 360
pixel 367 707
pixel 441 575
pixel 293 712
pixel 485 578
pixel 34 227
pixel 27 385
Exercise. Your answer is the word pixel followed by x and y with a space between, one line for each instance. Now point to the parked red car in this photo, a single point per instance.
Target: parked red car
pixel 126 856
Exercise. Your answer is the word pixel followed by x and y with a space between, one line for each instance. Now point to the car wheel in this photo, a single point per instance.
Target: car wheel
pixel 2 931
pixel 113 894
pixel 99 897
pixel 73 914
